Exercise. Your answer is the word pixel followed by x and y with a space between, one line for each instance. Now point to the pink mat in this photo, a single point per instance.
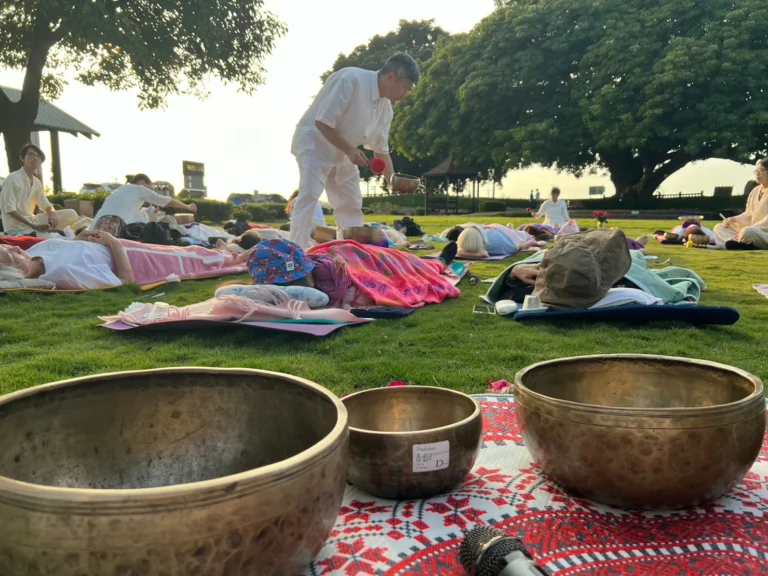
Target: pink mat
pixel 296 328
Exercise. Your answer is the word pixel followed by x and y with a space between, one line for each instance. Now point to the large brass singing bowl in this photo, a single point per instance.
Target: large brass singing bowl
pixel 411 441
pixel 177 472
pixel 647 432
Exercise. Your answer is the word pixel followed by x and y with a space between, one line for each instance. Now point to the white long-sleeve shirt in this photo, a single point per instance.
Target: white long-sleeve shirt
pixel 351 103
pixel 555 213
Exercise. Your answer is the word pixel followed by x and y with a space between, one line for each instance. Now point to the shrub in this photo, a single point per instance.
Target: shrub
pixel 241 215
pixel 421 211
pixel 393 209
pixel 276 209
pixel 97 199
pixel 267 212
pixel 493 206
pixel 213 210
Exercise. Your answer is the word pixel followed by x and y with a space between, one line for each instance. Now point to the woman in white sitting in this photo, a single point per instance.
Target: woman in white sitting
pixel 554 211
pixel 749 230
pixel 126 202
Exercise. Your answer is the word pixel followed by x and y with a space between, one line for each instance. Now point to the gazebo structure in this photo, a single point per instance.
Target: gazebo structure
pixel 52 119
pixel 448 172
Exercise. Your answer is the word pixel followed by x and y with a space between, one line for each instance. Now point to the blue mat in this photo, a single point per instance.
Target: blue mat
pixel 638 314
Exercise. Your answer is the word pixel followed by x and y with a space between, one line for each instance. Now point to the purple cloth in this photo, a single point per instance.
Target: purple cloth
pixel 550 229
pixel 634 244
pixel 331 276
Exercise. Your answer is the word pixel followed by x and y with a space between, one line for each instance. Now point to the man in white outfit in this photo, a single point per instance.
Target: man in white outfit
pixel 353 109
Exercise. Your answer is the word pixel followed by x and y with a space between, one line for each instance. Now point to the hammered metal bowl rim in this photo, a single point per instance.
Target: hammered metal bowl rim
pixel 383 390
pixel 254 478
pixel 405 176
pixel 757 394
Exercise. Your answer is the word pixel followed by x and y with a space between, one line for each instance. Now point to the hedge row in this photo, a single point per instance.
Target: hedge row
pixel 396 204
pixel 207 210
pixel 97 199
pixel 215 211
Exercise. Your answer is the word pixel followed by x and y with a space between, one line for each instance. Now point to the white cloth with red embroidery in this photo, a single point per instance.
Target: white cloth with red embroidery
pixel 566 535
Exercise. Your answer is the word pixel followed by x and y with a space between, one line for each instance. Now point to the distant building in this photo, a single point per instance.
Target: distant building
pixel 164 188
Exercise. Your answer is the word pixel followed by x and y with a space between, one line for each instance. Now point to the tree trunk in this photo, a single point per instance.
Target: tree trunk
pixel 640 175
pixel 16 133
pixel 17 119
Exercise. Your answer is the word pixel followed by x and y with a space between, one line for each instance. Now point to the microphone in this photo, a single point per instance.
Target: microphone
pixel 487 551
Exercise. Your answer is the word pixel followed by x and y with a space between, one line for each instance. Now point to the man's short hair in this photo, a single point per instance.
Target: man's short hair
pixel 29 146
pixel 404 67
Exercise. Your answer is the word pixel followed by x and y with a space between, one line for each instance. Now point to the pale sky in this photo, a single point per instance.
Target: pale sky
pixel 244 141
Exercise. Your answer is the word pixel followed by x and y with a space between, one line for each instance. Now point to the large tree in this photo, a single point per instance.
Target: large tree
pixel 640 88
pixel 417 38
pixel 161 47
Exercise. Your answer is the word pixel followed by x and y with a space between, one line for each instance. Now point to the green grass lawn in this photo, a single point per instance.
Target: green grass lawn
pixel 52 337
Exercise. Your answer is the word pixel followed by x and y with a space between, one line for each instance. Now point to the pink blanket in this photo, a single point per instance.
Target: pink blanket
pixel 390 277
pixel 230 309
pixel 153 264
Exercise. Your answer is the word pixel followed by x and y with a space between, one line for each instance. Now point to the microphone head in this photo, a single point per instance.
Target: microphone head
pixel 492 561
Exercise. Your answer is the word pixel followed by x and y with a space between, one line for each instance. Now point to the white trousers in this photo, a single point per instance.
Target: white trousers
pixel 749 235
pixel 341 183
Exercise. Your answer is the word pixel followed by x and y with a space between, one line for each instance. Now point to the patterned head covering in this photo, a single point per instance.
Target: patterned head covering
pixel 278 262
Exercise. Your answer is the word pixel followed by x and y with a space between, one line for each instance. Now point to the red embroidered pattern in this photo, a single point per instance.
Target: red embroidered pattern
pixel 568 536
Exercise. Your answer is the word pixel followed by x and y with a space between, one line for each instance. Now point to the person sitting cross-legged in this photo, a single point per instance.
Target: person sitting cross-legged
pixel 23 192
pixel 749 230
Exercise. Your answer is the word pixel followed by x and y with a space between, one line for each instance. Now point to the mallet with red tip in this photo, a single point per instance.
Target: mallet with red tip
pixel 378 165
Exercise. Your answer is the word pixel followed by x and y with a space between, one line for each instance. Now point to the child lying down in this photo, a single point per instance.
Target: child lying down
pixel 97 260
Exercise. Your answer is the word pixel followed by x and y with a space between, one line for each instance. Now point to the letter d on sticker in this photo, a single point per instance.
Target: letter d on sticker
pixel 431 457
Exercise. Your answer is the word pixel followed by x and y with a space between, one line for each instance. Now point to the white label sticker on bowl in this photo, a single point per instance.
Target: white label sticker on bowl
pixel 430 457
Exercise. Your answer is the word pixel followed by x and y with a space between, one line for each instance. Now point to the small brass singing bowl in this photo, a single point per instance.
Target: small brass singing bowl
pixel 175 472
pixel 411 442
pixel 642 432
pixel 405 184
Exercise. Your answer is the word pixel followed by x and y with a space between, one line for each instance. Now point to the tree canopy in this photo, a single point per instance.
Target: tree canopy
pixel 640 88
pixel 160 47
pixel 417 38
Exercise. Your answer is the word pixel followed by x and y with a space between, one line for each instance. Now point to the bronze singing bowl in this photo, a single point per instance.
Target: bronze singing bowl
pixel 392 437
pixel 170 472
pixel 648 432
pixel 405 184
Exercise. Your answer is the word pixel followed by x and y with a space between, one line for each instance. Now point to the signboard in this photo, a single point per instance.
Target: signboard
pixel 193 168
pixel 597 190
pixel 194 175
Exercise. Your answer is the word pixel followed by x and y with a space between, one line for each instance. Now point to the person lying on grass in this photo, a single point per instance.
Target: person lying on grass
pixel 97 260
pixel 356 275
pixel 540 232
pixel 568 276
pixel 484 240
pixel 689 226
